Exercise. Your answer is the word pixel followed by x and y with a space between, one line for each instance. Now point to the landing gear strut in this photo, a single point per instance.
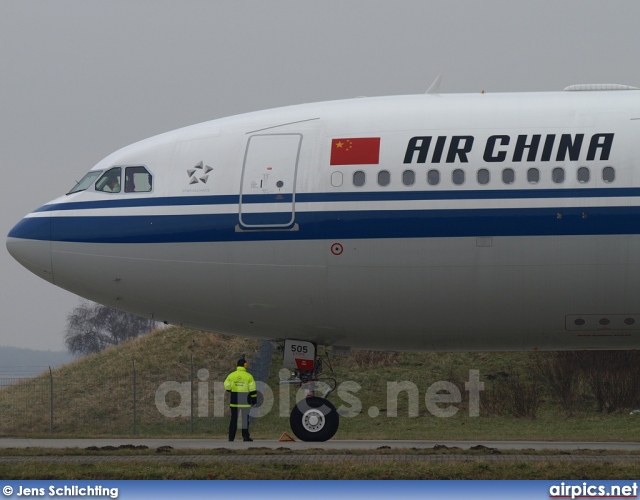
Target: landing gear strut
pixel 314 418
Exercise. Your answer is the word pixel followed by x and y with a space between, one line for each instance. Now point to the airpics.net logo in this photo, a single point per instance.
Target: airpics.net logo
pixel 586 490
pixel 441 399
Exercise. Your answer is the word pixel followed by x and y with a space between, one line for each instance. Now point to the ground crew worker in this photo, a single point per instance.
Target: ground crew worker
pixel 243 396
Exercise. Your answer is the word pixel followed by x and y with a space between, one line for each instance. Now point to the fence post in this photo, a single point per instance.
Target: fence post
pixel 191 394
pixel 50 399
pixel 135 428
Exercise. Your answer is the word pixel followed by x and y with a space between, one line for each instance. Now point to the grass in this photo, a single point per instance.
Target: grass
pixel 284 451
pixel 382 469
pixel 93 397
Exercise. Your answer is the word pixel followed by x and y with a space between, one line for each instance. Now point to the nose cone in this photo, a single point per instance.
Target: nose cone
pixel 29 242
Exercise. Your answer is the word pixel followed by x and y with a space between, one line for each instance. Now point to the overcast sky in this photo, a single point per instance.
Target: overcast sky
pixel 80 79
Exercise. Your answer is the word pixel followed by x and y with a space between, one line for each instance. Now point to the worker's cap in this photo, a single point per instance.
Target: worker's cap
pixel 241 362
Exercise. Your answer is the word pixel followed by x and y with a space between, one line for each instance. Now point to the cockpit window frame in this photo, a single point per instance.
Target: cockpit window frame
pixel 106 175
pixel 92 175
pixel 90 180
pixel 126 178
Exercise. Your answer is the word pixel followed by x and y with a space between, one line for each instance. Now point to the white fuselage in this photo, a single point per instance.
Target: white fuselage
pixel 444 222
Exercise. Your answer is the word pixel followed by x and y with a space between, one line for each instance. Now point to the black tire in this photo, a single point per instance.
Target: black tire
pixel 314 419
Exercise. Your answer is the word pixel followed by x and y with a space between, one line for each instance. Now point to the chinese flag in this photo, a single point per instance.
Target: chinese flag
pixel 355 151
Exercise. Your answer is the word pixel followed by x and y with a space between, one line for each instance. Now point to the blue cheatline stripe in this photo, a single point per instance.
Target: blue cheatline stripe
pixel 34 228
pixel 502 194
pixel 168 201
pixel 337 225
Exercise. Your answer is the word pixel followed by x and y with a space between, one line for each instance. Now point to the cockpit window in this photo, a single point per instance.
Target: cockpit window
pixel 110 181
pixel 86 181
pixel 137 180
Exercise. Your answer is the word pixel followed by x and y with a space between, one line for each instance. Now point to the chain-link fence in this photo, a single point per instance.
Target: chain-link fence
pixel 25 398
pixel 182 399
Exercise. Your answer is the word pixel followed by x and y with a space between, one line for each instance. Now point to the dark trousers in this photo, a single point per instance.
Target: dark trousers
pixel 233 423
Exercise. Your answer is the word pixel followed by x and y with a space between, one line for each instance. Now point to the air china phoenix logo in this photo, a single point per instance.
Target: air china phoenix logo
pixel 199 173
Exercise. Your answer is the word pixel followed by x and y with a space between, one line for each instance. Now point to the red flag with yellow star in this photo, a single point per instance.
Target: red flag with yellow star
pixel 355 151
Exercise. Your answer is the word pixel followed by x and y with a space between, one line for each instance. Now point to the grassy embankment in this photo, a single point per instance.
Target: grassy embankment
pixel 93 397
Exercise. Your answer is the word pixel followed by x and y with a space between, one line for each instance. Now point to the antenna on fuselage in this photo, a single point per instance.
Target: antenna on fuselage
pixel 435 86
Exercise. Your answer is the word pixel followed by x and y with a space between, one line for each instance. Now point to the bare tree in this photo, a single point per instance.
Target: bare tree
pixel 93 327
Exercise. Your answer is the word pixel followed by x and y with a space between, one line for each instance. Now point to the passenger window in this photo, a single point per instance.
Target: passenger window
pixel 483 176
pixel 358 178
pixel 336 179
pixel 533 176
pixel 384 178
pixel 137 180
pixel 433 177
pixel 557 175
pixel 457 176
pixel 408 177
pixel 508 176
pixel 110 181
pixel 583 175
pixel 608 174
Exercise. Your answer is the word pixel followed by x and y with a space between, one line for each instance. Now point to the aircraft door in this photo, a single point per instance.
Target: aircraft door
pixel 268 185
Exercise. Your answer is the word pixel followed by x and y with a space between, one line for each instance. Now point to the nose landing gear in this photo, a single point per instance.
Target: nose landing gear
pixel 314 418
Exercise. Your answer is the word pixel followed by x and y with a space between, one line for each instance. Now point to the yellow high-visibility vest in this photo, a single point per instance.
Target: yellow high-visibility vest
pixel 242 387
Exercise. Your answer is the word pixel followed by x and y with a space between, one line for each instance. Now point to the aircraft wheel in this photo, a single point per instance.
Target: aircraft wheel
pixel 314 419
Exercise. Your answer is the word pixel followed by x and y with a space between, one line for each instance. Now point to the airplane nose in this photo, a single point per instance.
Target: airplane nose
pixel 29 242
